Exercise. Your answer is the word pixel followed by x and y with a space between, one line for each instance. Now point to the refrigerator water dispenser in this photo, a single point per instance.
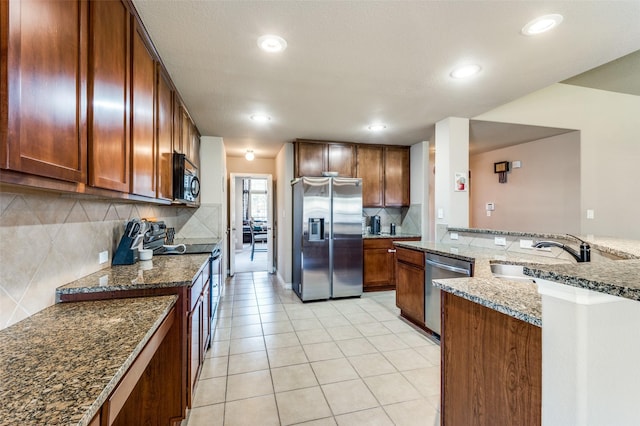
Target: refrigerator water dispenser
pixel 316 229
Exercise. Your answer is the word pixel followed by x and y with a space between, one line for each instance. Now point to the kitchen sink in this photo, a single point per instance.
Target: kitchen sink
pixel 510 272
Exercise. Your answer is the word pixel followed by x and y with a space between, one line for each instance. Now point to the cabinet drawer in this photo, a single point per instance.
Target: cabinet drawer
pixel 195 291
pixel 412 257
pixel 377 243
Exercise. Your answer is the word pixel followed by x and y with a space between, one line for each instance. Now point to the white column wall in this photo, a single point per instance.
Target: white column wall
pixel 452 155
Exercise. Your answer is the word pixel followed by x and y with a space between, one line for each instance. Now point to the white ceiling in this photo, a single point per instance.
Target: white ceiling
pixel 350 63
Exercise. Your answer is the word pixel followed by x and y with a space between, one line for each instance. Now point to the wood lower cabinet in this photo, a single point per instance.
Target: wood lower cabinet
pixel 491 366
pixel 410 284
pixel 43 85
pixel 143 141
pixel 109 63
pixel 379 265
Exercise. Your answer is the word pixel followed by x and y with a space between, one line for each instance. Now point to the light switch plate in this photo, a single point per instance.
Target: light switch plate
pixel 453 235
pixel 500 241
pixel 103 257
pixel 440 213
pixel 590 214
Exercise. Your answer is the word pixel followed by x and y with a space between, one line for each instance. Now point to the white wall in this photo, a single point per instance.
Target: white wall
pixel 541 196
pixel 284 175
pixel 452 156
pixel 609 149
pixel 213 199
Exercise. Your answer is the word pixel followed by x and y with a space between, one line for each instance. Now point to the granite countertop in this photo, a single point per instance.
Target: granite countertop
pixel 518 299
pixel 159 272
pixel 389 236
pixel 58 366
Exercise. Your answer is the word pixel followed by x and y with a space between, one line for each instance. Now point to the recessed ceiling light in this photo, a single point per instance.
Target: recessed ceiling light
pixel 260 118
pixel 249 155
pixel 466 71
pixel 272 43
pixel 542 24
pixel 377 127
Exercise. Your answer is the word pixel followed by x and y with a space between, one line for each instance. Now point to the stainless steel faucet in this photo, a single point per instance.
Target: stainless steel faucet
pixel 583 256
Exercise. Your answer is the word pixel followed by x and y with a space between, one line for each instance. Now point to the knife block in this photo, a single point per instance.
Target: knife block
pixel 125 255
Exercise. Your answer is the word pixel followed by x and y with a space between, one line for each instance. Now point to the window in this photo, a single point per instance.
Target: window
pixel 254 199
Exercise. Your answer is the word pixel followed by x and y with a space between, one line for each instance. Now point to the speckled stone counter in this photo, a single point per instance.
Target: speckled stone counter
pixel 58 366
pixel 517 299
pixel 620 278
pixel 160 271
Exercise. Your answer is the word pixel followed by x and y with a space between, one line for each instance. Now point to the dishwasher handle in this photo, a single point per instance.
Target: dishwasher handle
pixel 450 268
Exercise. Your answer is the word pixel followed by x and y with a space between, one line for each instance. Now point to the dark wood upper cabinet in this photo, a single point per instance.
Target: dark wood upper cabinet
pixel 314 157
pixel 370 170
pixel 311 159
pixel 164 135
pixel 143 71
pixel 109 60
pixel 44 77
pixel 342 159
pixel 396 176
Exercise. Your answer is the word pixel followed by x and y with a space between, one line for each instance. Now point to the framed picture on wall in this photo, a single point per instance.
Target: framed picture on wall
pixel 460 182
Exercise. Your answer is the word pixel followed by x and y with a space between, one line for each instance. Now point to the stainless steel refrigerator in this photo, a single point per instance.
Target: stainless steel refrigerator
pixel 327 237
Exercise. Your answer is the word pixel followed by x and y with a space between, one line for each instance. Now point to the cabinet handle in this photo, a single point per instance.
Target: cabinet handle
pixel 391 250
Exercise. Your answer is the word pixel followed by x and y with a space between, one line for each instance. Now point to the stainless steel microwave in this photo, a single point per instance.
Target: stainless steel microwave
pixel 186 185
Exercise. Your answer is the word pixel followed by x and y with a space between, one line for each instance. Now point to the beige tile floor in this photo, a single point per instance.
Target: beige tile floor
pixel 277 361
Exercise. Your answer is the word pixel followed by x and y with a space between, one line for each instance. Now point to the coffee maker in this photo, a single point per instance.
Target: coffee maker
pixel 375 225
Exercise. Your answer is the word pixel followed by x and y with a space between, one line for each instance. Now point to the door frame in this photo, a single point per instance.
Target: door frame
pixel 231 220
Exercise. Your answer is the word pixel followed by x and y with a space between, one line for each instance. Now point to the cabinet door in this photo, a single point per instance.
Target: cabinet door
pixel 396 177
pixel 109 59
pixel 378 264
pixel 143 176
pixel 185 132
pixel 194 346
pixel 311 159
pixel 410 291
pixel 194 148
pixel 205 328
pixel 177 124
pixel 164 136
pixel 341 159
pixel 46 78
pixel 370 160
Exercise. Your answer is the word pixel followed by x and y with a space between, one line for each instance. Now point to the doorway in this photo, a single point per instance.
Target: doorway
pixel 251 223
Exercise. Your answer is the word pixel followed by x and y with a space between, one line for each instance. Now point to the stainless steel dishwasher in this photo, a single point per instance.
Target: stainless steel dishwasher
pixel 439 267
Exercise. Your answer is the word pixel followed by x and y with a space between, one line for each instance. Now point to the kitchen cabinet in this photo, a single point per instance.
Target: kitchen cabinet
pixel 199 331
pixel 86 106
pixel 164 134
pixel 109 64
pixel 410 284
pixel 314 157
pixel 143 141
pixel 370 168
pixel 396 176
pixel 385 173
pixel 491 366
pixel 379 265
pixel 43 86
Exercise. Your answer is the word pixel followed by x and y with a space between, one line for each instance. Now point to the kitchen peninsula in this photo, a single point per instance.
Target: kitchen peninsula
pixel 500 325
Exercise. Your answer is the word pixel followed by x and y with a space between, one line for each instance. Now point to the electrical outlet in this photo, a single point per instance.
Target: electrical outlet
pixel 453 235
pixel 590 214
pixel 453 250
pixel 500 241
pixel 103 280
pixel 440 213
pixel 489 213
pixel 526 244
pixel 103 257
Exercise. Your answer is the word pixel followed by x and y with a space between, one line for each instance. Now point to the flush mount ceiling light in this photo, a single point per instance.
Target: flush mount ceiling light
pixel 260 118
pixel 377 127
pixel 542 24
pixel 465 71
pixel 249 155
pixel 272 43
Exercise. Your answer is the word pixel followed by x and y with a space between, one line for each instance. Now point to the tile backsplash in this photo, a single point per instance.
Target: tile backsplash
pixel 407 220
pixel 48 239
